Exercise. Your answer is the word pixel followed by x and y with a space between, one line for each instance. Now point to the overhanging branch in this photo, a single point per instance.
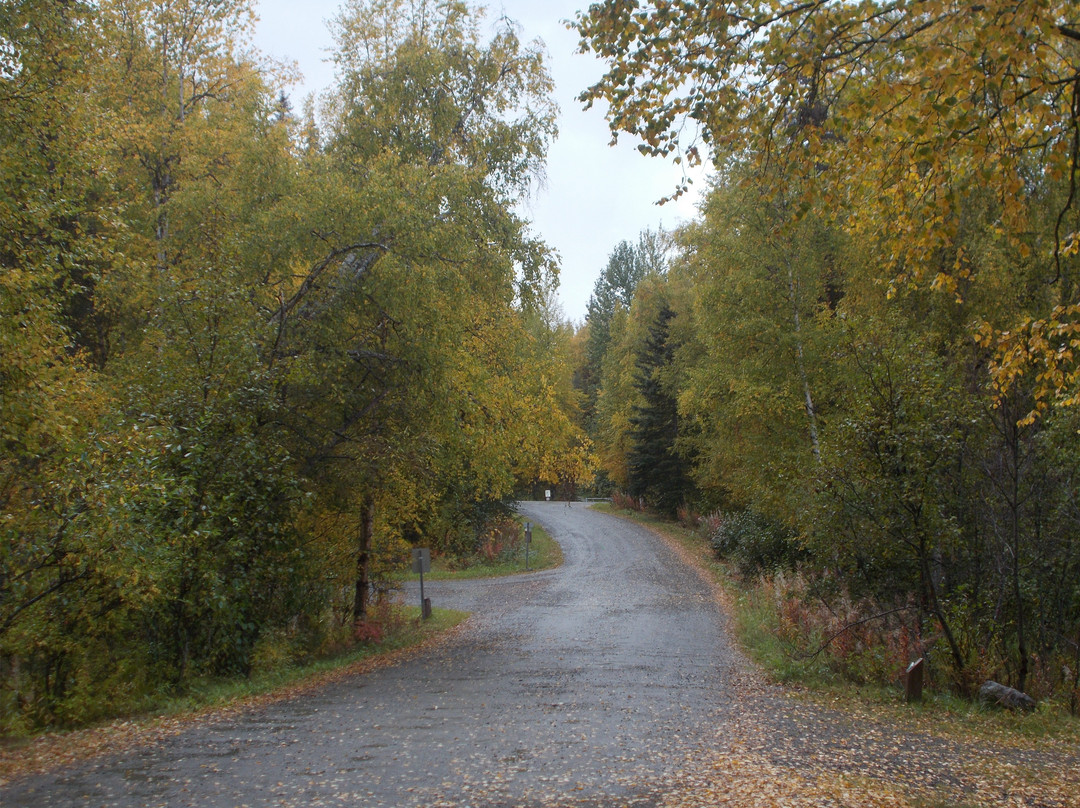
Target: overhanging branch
pixel 348 257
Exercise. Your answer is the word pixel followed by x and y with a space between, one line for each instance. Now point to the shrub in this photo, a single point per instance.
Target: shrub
pixel 624 502
pixel 384 621
pixel 710 524
pixel 688 517
pixel 857 641
pixel 753 543
pixel 499 540
pixel 275 650
pixel 368 632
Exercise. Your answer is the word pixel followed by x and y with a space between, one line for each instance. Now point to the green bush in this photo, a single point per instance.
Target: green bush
pixel 753 543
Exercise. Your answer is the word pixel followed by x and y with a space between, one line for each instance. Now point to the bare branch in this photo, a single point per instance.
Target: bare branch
pixel 850 626
pixel 347 257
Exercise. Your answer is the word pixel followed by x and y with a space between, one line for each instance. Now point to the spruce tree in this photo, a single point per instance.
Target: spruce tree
pixel 657 472
pixel 627 266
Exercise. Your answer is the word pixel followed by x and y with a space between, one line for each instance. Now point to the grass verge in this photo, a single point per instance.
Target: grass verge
pixel 411 633
pixel 211 700
pixel 754 620
pixel 544 553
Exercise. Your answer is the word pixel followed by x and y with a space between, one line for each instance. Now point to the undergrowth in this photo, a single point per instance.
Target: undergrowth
pixel 501 552
pixel 390 628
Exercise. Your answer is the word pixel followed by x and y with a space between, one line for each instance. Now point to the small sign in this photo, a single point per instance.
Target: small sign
pixel 547 495
pixel 421 560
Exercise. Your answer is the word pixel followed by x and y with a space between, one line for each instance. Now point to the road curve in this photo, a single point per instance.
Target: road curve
pixel 584 685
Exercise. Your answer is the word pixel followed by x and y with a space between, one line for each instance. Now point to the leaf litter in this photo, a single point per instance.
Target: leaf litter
pixel 782 749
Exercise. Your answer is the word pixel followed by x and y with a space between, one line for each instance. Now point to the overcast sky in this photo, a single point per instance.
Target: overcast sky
pixel 596 195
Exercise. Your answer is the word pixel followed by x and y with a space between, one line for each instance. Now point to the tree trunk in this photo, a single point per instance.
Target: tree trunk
pixel 1076 679
pixel 811 415
pixel 930 598
pixel 363 558
pixel 1011 432
pixel 1014 507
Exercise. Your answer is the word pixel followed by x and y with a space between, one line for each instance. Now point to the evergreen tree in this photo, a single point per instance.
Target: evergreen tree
pixel 627 265
pixel 657 472
pixel 614 288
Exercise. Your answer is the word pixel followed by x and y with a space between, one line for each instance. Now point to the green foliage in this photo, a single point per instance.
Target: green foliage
pixel 824 380
pixel 753 544
pixel 502 552
pixel 657 472
pixel 246 360
pixel 628 265
pixel 765 290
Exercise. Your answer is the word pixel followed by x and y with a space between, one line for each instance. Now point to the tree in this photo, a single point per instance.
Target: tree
pixel 924 497
pixel 420 88
pixel 432 137
pixel 758 385
pixel 627 266
pixel 882 114
pixel 57 237
pixel 247 359
pixel 657 472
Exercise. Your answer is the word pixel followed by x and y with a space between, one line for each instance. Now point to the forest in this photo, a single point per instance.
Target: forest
pixel 250 355
pixel 857 371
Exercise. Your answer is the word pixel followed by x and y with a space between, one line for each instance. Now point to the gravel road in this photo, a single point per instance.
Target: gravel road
pixel 584 685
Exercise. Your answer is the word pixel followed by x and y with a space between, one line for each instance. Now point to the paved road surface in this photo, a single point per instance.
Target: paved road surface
pixel 582 685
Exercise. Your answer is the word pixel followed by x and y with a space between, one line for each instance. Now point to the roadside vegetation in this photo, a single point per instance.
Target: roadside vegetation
pixel 860 365
pixel 391 628
pixel 393 632
pixel 251 355
pixel 502 552
pixel 759 616
pixel 253 349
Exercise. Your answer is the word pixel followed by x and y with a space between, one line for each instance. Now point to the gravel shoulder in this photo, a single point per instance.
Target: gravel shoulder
pixel 784 746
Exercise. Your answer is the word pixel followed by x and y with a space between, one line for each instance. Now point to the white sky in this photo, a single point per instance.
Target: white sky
pixel 596 195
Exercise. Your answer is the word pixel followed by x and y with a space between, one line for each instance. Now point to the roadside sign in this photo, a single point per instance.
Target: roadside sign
pixel 421 563
pixel 421 560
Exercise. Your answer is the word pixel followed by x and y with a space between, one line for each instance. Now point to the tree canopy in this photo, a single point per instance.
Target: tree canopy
pixel 877 316
pixel 246 359
pixel 883 113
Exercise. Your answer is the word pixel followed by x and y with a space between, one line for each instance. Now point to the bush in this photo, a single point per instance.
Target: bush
pixel 800 635
pixel 624 502
pixel 752 543
pixel 275 650
pixel 687 517
pixel 708 525
pixel 500 539
pixel 385 621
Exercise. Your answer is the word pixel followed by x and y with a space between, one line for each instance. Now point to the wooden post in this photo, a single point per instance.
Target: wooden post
pixel 421 563
pixel 363 557
pixel 913 681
